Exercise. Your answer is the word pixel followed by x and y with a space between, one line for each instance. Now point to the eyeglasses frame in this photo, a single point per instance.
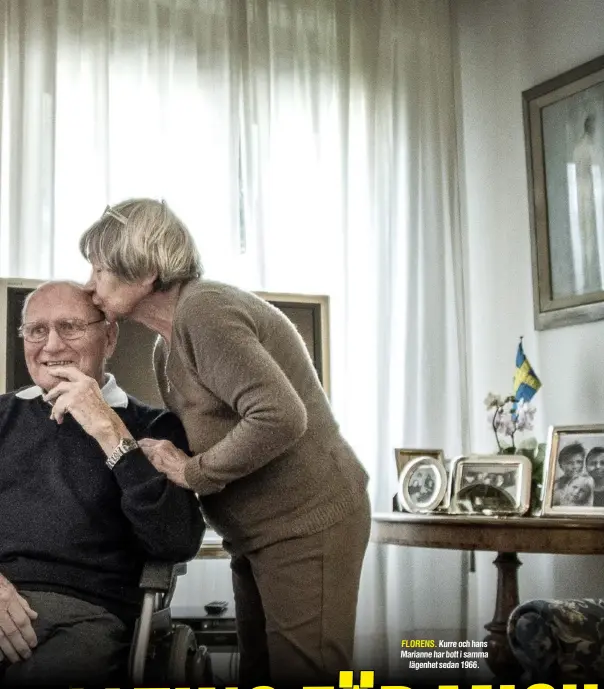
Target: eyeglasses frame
pixel 52 327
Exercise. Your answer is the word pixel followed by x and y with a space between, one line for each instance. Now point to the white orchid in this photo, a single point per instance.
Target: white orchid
pixel 508 416
pixel 525 416
pixel 492 401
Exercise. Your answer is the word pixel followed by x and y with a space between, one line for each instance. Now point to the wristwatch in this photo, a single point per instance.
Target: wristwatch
pixel 125 445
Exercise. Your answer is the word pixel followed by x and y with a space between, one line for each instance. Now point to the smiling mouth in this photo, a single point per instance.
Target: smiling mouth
pixel 58 363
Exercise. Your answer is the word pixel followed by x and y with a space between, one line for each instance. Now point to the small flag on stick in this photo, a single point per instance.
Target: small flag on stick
pixel 526 381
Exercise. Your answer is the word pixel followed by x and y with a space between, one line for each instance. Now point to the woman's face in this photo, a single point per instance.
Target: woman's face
pixel 114 297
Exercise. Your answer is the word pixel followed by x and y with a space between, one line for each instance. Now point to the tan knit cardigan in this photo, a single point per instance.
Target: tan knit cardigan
pixel 269 460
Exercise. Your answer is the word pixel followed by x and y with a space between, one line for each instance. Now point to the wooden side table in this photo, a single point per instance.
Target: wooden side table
pixel 505 535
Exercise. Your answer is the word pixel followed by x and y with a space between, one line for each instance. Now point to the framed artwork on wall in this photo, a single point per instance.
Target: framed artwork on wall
pixel 564 135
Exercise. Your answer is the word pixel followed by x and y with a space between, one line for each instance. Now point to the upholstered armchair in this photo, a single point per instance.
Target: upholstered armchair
pixel 554 639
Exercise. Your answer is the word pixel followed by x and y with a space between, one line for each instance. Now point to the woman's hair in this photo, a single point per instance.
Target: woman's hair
pixel 138 237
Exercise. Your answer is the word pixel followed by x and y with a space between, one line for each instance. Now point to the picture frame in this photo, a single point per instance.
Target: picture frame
pixel 402 455
pixel 13 370
pixel 574 472
pixel 422 484
pixel 310 314
pixel 564 137
pixel 490 485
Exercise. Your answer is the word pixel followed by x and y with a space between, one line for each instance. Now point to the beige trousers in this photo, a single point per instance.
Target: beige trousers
pixel 296 604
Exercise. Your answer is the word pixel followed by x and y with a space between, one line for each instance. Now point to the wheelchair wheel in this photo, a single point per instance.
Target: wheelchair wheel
pixel 187 664
pixel 182 651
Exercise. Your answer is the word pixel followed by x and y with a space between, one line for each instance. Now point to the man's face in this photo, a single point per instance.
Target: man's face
pixel 595 466
pixel 48 307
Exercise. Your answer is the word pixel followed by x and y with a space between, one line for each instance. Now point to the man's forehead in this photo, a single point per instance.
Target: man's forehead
pixel 60 301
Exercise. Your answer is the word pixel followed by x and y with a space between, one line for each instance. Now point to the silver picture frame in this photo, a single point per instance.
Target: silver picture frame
pixel 422 484
pixel 573 484
pixel 491 485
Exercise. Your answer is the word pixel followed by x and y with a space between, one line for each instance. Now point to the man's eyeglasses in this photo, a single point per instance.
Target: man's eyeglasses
pixel 68 329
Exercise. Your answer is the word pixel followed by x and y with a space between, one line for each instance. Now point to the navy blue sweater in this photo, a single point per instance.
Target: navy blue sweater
pixel 71 525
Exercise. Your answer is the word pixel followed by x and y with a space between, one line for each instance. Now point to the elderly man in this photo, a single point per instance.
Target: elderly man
pixel 81 507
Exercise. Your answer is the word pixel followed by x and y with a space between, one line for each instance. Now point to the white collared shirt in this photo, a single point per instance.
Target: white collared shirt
pixel 111 391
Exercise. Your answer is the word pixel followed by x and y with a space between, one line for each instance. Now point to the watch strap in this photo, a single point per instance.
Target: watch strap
pixel 125 445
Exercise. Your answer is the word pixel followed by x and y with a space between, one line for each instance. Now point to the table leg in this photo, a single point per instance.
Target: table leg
pixel 501 660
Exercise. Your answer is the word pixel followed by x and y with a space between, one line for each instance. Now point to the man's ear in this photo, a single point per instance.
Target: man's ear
pixel 112 335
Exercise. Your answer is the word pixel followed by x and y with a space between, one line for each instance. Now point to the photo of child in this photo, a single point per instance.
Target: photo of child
pixel 574 486
pixel 578 472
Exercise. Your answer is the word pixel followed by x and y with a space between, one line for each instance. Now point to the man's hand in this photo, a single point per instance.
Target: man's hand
pixel 81 396
pixel 166 458
pixel 17 636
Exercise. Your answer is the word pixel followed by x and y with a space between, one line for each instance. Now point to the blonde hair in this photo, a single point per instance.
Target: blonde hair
pixel 138 237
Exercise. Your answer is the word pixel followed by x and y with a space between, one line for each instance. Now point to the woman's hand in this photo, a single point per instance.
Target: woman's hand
pixel 166 458
pixel 81 396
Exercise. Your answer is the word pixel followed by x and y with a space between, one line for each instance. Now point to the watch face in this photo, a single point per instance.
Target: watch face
pixel 128 444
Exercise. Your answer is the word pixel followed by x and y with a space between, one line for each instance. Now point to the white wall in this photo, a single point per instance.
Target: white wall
pixel 505 47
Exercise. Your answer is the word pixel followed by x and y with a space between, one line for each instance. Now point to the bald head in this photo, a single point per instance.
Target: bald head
pixel 74 333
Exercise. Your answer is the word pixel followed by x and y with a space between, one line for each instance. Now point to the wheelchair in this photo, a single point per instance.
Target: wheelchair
pixel 162 650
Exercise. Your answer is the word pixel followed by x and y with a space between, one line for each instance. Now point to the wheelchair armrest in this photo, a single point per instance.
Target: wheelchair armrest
pixel 160 576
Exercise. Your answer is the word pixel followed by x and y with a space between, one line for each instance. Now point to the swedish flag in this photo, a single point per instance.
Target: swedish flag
pixel 526 382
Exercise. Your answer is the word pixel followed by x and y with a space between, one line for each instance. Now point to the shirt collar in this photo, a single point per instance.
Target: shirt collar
pixel 111 391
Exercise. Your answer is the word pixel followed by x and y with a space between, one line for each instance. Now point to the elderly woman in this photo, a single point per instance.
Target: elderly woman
pixel 275 477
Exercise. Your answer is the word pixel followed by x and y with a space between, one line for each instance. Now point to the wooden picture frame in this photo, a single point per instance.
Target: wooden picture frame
pixel 564 136
pixel 403 455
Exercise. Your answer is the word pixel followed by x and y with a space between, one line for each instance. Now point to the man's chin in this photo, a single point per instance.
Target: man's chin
pixel 48 382
pixel 47 385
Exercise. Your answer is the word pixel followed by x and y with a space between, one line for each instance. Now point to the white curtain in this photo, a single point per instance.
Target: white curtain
pixel 310 146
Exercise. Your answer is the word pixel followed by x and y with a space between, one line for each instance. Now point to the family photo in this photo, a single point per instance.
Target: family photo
pixel 423 484
pixel 579 477
pixel 502 477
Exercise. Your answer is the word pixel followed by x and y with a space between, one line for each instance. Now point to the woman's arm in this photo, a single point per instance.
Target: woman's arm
pixel 221 344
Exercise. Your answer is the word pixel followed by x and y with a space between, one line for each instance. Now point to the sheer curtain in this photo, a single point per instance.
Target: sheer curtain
pixel 310 146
